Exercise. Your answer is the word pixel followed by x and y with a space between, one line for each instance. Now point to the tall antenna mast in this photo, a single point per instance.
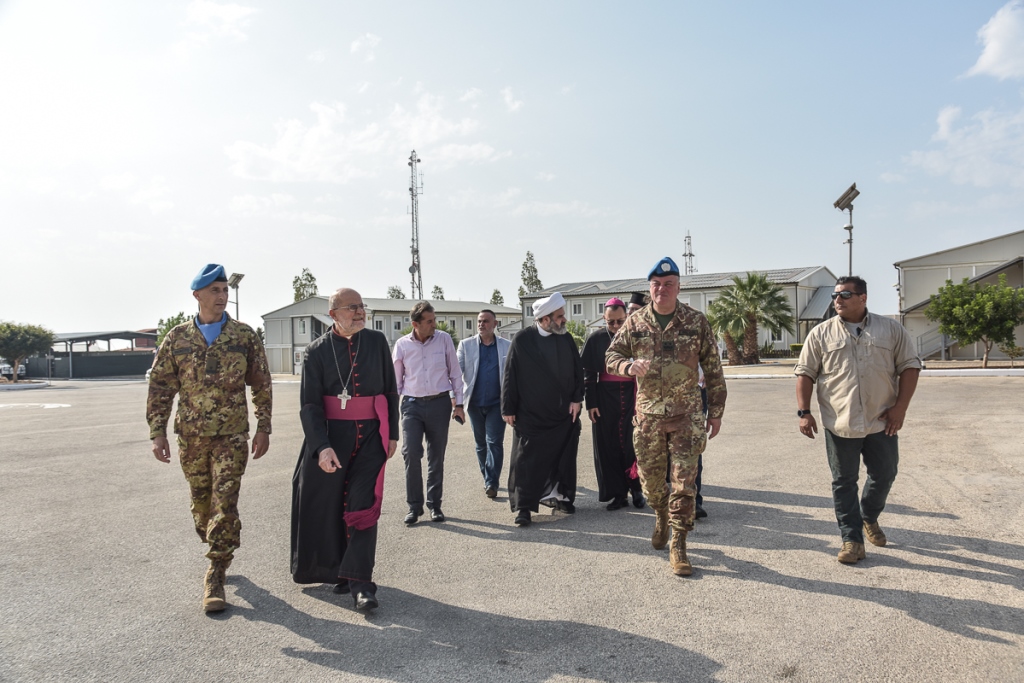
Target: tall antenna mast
pixel 415 190
pixel 688 267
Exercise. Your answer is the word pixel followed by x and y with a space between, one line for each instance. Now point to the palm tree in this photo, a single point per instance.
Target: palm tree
pixel 727 322
pixel 760 302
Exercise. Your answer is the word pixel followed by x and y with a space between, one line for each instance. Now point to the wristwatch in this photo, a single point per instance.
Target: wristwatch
pixel 801 413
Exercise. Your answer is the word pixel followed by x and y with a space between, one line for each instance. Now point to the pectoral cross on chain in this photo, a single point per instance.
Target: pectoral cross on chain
pixel 343 397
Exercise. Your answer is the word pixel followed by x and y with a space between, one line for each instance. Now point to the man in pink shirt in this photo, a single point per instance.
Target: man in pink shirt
pixel 427 369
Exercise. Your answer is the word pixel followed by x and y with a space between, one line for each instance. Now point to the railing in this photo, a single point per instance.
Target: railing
pixel 931 343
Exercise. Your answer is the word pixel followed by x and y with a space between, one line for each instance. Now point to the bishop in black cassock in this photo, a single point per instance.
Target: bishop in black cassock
pixel 611 404
pixel 541 398
pixel 336 501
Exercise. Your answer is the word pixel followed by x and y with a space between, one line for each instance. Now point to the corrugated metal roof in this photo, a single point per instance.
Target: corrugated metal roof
pixel 696 281
pixel 442 307
pixel 102 336
pixel 818 305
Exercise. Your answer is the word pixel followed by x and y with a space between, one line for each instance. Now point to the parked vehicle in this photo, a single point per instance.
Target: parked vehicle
pixel 7 371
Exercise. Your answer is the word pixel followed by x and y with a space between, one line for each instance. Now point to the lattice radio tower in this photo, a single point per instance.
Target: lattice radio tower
pixel 415 190
pixel 688 267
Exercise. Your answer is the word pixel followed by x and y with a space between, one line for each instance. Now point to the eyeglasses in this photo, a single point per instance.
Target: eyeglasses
pixel 846 294
pixel 615 323
pixel 351 308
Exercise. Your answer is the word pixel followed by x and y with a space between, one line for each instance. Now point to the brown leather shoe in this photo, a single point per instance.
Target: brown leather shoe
pixel 851 553
pixel 659 539
pixel 874 534
pixel 213 588
pixel 677 555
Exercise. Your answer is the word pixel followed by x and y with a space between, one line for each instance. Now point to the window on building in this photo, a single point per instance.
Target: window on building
pixel 302 327
pixel 577 309
pixel 378 325
pixel 469 324
pixel 398 326
pixel 776 336
pixel 600 309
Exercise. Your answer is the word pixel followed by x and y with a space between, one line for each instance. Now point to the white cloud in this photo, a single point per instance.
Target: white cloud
pixel 119 182
pixel 155 196
pixel 566 89
pixel 465 199
pixel 365 44
pixel 317 56
pixel 986 150
pixel 212 19
pixel 510 101
pixel 1003 40
pixel 364 86
pixel 335 150
pixel 252 205
pixel 471 95
pixel 890 177
pixel 545 176
pixel 573 208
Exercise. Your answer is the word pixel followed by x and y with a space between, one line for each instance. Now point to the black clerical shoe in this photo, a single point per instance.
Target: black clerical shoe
pixel 436 515
pixel 638 499
pixel 365 601
pixel 413 517
pixel 618 504
pixel 700 513
pixel 523 518
pixel 341 588
pixel 491 492
pixel 566 507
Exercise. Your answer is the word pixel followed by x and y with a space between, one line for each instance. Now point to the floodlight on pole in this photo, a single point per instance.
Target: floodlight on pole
pixel 233 284
pixel 845 203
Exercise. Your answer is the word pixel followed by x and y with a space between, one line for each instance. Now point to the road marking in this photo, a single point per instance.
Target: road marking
pixel 44 406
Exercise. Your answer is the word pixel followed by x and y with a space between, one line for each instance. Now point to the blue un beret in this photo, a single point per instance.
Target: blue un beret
pixel 665 266
pixel 211 272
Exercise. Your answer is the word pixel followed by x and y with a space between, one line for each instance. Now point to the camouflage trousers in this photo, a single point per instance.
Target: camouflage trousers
pixel 669 448
pixel 213 467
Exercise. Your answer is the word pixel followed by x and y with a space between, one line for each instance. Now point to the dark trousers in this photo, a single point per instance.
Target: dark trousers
pixel 430 420
pixel 881 459
pixel 489 434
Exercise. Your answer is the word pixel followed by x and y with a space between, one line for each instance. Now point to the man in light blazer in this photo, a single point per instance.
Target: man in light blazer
pixel 482 359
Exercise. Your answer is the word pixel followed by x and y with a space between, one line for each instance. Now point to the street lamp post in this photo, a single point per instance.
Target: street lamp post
pixel 233 284
pixel 845 203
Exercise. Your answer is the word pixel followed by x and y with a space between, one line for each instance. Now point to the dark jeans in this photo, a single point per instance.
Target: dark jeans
pixel 881 459
pixel 489 434
pixel 421 419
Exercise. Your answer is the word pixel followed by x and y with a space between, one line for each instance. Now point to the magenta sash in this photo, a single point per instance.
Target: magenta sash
pixel 364 408
pixel 608 377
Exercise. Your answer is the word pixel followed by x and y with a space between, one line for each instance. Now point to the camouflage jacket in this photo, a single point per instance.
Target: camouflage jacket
pixel 210 382
pixel 670 386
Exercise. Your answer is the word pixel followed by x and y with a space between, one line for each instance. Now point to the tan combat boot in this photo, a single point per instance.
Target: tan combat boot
pixel 213 588
pixel 874 534
pixel 659 539
pixel 851 553
pixel 677 555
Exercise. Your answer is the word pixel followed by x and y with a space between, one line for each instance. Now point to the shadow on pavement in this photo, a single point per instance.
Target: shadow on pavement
pixel 412 638
pixel 803 500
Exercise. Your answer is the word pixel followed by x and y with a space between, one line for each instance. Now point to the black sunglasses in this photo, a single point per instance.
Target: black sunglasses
pixel 845 294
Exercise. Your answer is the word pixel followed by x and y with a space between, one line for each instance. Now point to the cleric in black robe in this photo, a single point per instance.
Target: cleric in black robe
pixel 611 404
pixel 541 398
pixel 349 409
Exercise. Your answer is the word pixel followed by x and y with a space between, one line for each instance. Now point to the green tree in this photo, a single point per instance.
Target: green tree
pixel 18 342
pixel 1012 351
pixel 262 335
pixel 971 313
pixel 304 285
pixel 727 321
pixel 578 331
pixel 395 292
pixel 437 293
pixel 762 303
pixel 443 326
pixel 531 280
pixel 497 299
pixel 165 326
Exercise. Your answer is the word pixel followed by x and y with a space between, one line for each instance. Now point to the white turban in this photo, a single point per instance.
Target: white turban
pixel 543 307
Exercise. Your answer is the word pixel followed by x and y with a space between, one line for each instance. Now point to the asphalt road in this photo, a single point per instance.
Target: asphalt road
pixel 100 570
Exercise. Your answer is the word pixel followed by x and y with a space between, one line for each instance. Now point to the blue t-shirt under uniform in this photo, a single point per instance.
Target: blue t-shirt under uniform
pixel 212 331
pixel 487 389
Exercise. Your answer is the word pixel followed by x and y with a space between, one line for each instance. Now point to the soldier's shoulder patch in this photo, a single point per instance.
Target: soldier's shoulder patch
pixel 181 350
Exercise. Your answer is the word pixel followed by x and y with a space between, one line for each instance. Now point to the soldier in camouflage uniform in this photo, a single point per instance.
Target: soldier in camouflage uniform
pixel 661 345
pixel 207 362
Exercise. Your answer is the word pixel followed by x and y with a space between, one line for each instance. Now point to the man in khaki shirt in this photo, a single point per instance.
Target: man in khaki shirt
pixel 866 370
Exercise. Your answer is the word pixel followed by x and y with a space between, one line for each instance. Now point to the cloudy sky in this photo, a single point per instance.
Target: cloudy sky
pixel 141 140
